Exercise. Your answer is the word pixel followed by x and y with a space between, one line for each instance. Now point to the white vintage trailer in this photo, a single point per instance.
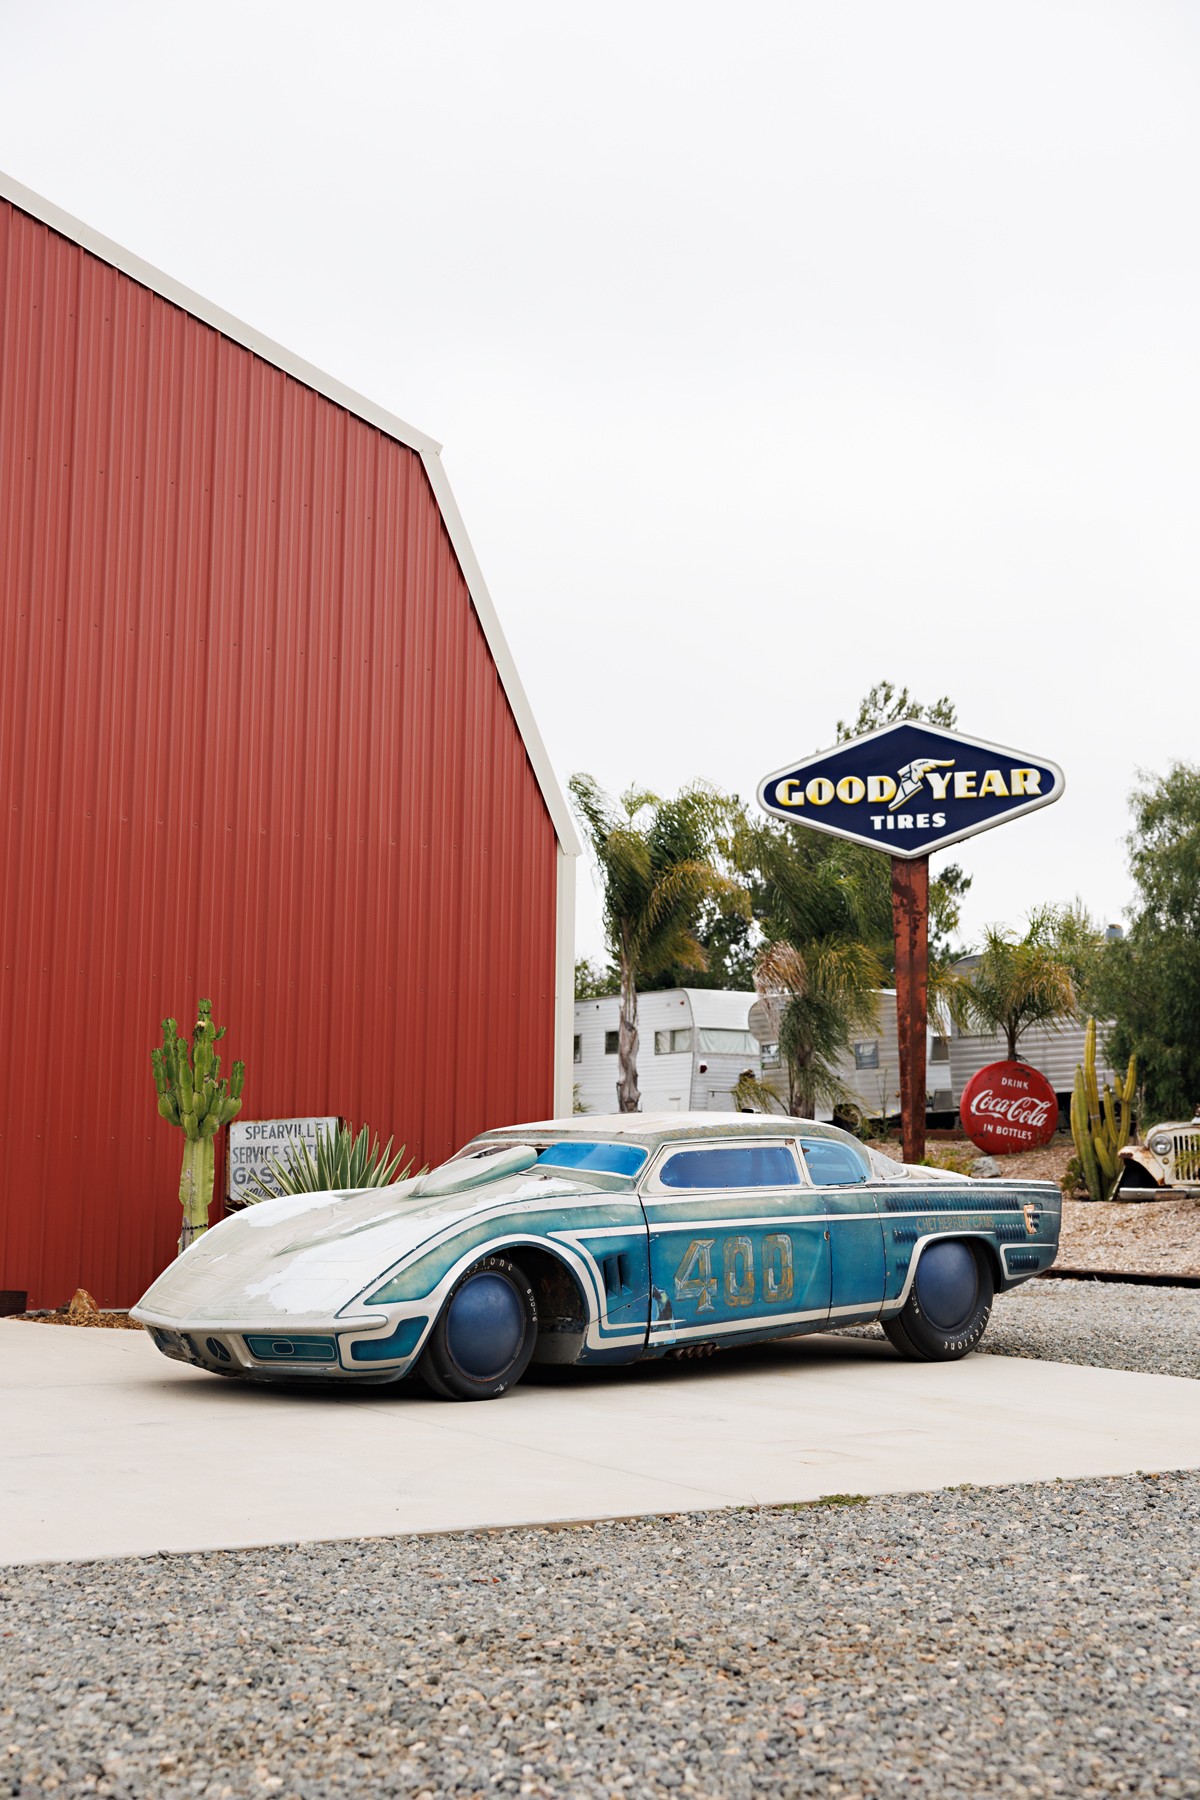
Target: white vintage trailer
pixel 870 1071
pixel 695 1042
pixel 1057 1053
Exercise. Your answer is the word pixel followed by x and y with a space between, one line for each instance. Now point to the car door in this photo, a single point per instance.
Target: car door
pixel 738 1246
pixel 840 1174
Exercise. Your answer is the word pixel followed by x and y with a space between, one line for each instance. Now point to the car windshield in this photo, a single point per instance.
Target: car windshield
pixel 598 1159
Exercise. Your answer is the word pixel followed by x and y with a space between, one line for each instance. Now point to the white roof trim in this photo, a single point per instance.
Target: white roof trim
pixel 426 448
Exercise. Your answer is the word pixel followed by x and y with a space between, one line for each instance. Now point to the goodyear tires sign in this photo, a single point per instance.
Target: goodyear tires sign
pixel 910 789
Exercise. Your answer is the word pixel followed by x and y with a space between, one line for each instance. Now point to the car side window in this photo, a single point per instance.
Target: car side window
pixel 831 1164
pixel 731 1166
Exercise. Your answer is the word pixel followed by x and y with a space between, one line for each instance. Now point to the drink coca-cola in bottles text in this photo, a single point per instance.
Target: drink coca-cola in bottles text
pixel 1009 1106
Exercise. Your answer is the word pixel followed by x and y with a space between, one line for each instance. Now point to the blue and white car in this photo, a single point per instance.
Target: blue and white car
pixel 602 1240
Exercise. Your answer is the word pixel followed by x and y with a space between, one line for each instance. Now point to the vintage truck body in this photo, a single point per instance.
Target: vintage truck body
pixel 1168 1163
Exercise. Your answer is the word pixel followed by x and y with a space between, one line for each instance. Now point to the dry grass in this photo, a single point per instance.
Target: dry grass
pixel 105 1321
pixel 83 1311
pixel 1154 1237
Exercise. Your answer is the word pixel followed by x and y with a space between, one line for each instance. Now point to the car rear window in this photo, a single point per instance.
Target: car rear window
pixel 733 1166
pixel 603 1159
pixel 831 1164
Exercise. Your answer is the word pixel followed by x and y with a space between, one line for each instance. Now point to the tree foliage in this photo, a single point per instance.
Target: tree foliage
pixel 1025 980
pixel 823 994
pixel 726 932
pixel 1149 984
pixel 821 909
pixel 658 866
pixel 594 983
pixel 886 704
pixel 698 893
pixel 947 889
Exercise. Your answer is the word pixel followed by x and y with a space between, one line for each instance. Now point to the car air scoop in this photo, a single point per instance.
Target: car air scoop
pixel 474 1171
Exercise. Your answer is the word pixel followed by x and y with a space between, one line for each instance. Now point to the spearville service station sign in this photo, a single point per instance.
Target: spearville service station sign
pixel 254 1144
pixel 909 789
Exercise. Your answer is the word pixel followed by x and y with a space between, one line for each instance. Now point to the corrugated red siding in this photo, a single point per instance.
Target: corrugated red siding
pixel 253 746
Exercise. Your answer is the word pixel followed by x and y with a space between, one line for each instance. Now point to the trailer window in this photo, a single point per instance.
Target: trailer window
pixel 719 1040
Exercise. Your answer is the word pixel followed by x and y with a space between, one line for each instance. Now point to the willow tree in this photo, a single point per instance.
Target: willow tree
pixel 659 861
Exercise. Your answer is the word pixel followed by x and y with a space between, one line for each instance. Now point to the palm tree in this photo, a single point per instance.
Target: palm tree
pixel 658 864
pixel 819 998
pixel 826 918
pixel 1021 981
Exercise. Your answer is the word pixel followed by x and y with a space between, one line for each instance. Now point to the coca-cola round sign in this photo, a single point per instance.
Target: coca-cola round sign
pixel 1009 1106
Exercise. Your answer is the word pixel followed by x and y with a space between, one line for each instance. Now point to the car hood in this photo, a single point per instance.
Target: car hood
pixel 303 1258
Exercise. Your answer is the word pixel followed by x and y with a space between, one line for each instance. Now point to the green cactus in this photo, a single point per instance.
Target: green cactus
pixel 192 1095
pixel 1100 1124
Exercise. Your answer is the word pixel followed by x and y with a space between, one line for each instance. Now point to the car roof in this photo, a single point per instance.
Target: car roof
pixel 653 1129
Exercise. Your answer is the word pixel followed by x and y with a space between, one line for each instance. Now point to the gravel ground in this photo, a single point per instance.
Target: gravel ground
pixel 1155 1331
pixel 1040 1640
pixel 1035 1641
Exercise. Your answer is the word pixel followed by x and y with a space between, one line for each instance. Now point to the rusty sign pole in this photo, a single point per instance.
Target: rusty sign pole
pixel 910 917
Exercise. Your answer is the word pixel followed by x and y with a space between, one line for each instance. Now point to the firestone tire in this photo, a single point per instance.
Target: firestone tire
pixel 948 1305
pixel 484 1336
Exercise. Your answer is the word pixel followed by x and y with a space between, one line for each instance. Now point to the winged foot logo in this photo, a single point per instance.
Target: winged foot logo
pixel 909 788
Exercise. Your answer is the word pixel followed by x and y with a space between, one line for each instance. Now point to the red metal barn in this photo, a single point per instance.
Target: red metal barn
pixel 261 739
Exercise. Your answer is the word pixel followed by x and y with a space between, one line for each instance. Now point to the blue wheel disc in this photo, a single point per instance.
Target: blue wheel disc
pixel 485 1327
pixel 947 1285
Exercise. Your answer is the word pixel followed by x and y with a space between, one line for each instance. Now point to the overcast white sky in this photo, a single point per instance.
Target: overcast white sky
pixel 775 349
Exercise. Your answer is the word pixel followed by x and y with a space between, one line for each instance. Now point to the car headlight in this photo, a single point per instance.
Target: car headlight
pixel 1161 1146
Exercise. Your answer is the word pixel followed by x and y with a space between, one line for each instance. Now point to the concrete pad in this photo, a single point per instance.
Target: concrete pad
pixel 108 1449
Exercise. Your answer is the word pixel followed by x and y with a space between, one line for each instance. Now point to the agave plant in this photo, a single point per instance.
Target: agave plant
pixel 342 1162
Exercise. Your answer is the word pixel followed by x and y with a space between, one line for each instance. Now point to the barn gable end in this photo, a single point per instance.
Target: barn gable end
pixel 261 740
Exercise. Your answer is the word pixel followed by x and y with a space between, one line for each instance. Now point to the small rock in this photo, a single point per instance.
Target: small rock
pixel 985 1168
